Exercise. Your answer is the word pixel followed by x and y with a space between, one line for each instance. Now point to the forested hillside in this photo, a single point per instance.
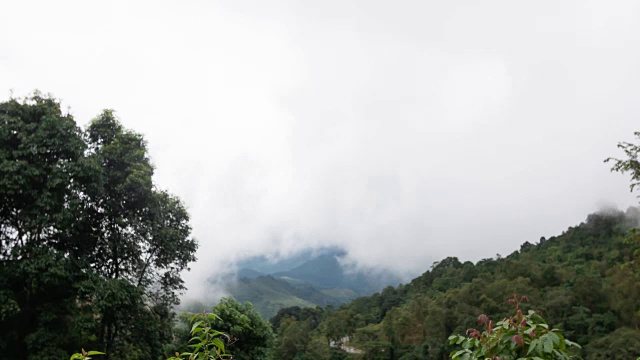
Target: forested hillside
pixel 269 294
pixel 583 282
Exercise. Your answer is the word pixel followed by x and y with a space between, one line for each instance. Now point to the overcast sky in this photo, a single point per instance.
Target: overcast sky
pixel 404 131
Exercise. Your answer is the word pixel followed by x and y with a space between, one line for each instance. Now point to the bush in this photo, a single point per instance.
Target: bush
pixel 519 337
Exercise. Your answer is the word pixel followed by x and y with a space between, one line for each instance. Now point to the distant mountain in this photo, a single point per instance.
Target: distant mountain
pixel 323 272
pixel 309 278
pixel 269 294
pixel 268 265
pixel 249 274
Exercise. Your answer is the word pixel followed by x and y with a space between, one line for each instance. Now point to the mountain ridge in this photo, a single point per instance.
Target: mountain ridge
pixel 315 278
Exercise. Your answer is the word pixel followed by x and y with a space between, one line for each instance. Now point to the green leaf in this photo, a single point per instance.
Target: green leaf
pixel 571 343
pixel 195 326
pixel 195 316
pixel 218 343
pixel 547 344
pixel 533 345
pixel 458 353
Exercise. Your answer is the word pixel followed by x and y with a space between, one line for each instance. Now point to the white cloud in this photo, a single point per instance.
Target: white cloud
pixel 405 132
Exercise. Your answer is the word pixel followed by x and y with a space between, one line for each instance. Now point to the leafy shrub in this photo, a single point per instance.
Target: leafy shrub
pixel 519 337
pixel 85 355
pixel 205 341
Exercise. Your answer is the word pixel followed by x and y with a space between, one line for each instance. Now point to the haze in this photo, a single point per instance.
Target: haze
pixel 403 131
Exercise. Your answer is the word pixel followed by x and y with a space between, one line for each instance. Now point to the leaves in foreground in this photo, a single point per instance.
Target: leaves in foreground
pixel 206 342
pixel 520 337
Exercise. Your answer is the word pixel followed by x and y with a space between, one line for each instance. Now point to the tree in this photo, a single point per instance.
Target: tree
pixel 340 325
pixel 625 290
pixel 624 343
pixel 90 250
pixel 41 177
pixel 140 237
pixel 629 165
pixel 293 339
pixel 250 335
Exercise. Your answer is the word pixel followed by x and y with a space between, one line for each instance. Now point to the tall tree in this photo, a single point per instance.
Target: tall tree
pixel 90 250
pixel 41 176
pixel 141 234
pixel 251 335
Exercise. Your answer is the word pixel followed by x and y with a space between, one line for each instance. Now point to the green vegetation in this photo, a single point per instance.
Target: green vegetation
pixel 269 294
pixel 85 355
pixel 205 342
pixel 250 336
pixel 90 250
pixel 518 337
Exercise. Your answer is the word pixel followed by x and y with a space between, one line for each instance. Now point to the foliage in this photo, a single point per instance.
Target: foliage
pixel 247 334
pixel 206 342
pixel 622 344
pixel 90 250
pixel 339 325
pixel 629 165
pixel 293 339
pixel 250 335
pixel 85 355
pixel 269 294
pixel 517 337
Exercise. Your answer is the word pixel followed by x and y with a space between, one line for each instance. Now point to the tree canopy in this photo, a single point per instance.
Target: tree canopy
pixel 90 249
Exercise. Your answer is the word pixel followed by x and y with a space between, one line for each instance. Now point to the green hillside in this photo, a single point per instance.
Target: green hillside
pixel 269 294
pixel 312 280
pixel 583 281
pixel 326 273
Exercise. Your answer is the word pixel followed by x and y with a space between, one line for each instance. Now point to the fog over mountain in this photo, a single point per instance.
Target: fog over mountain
pixel 401 132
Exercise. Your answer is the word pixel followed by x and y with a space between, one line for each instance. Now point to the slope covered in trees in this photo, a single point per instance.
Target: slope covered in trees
pixel 582 281
pixel 269 294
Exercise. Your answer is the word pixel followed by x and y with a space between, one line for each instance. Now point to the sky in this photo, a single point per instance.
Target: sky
pixel 403 131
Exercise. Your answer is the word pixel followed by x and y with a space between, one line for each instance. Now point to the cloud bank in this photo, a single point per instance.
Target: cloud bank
pixel 401 132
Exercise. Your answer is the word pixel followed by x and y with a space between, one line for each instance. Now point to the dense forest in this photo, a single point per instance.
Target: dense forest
pixel 91 253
